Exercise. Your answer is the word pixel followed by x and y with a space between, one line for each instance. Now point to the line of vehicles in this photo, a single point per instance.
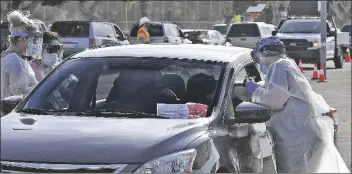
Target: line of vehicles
pixel 301 35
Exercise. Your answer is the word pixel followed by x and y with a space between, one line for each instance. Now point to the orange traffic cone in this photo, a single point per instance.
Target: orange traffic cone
pixel 300 66
pixel 315 73
pixel 348 57
pixel 321 75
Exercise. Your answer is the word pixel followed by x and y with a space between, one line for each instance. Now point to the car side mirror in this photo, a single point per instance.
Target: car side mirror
pixel 9 103
pixel 228 40
pixel 186 35
pixel 247 112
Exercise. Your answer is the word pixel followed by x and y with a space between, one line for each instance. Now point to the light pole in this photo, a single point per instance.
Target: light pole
pixel 323 35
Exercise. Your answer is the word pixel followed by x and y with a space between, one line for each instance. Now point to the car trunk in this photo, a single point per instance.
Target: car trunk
pixel 244 35
pixel 75 35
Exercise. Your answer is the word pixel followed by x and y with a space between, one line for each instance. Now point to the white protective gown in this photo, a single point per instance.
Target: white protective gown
pixel 302 141
pixel 17 76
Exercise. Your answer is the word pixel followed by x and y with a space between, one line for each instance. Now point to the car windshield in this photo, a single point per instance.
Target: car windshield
pixel 71 29
pixel 346 28
pixel 133 84
pixel 221 29
pixel 293 26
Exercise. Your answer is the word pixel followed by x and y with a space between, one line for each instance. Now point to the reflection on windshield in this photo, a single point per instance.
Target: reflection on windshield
pixel 300 27
pixel 130 84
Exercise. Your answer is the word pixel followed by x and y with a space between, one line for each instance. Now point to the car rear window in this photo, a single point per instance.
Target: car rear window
pixel 71 29
pixel 346 28
pixel 153 29
pixel 244 30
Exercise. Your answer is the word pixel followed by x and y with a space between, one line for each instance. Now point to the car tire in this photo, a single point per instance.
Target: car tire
pixel 338 60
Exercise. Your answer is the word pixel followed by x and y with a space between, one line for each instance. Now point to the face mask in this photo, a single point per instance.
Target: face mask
pixel 50 59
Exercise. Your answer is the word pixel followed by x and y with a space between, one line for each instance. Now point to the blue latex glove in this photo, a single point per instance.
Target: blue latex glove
pixel 251 86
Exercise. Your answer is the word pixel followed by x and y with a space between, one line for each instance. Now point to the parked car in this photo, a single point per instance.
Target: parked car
pixel 5 33
pixel 302 41
pixel 347 28
pixel 81 35
pixel 98 111
pixel 246 34
pixel 220 28
pixel 161 32
pixel 208 37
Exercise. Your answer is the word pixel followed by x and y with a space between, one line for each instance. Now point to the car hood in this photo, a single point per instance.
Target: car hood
pixel 309 36
pixel 71 139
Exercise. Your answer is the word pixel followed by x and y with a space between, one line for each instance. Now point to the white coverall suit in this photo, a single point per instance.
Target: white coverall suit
pixel 301 141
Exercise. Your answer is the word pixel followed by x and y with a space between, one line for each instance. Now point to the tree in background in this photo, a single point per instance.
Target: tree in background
pixel 228 14
pixel 145 8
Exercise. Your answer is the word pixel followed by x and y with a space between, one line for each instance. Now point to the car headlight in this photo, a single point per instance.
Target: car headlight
pixel 180 162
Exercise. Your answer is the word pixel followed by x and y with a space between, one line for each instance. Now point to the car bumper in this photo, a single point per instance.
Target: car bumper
pixel 307 56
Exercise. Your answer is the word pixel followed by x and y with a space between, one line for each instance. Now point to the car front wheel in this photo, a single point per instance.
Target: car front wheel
pixel 338 60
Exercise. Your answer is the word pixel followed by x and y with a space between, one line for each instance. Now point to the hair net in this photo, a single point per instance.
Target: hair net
pixel 270 46
pixel 20 23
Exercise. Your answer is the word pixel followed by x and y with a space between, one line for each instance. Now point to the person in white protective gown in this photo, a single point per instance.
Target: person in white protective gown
pixel 302 141
pixel 17 76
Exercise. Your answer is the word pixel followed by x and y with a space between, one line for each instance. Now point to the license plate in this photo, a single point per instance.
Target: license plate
pixel 66 45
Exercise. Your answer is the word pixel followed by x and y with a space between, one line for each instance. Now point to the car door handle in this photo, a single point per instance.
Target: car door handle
pixel 243 38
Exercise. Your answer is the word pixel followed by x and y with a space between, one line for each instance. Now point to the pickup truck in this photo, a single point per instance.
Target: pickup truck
pixel 302 40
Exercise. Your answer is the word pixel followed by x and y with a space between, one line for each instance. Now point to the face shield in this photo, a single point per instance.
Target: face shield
pixel 35 44
pixel 52 53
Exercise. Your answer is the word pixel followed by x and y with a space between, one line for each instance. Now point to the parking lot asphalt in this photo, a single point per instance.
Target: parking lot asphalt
pixel 337 93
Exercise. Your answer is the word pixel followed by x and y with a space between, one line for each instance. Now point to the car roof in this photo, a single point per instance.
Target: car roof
pixel 220 25
pixel 182 51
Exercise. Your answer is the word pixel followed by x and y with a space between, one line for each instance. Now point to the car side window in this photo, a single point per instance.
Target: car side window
pixel 240 76
pixel 174 31
pixel 104 30
pixel 61 96
pixel 118 32
pixel 180 33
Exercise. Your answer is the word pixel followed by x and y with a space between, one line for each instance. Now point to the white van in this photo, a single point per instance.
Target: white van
pixel 246 34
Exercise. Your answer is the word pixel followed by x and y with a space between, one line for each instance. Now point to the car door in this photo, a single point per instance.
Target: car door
pixel 222 39
pixel 175 34
pixel 240 94
pixel 104 34
pixel 214 39
pixel 330 43
pixel 121 38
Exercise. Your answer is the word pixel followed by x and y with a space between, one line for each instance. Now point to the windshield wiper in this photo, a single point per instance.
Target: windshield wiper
pixel 35 111
pixel 119 113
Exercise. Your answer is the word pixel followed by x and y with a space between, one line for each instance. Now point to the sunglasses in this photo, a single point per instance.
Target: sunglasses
pixel 53 48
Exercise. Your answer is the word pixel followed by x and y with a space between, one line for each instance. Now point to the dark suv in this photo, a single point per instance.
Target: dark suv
pixel 144 109
pixel 80 35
